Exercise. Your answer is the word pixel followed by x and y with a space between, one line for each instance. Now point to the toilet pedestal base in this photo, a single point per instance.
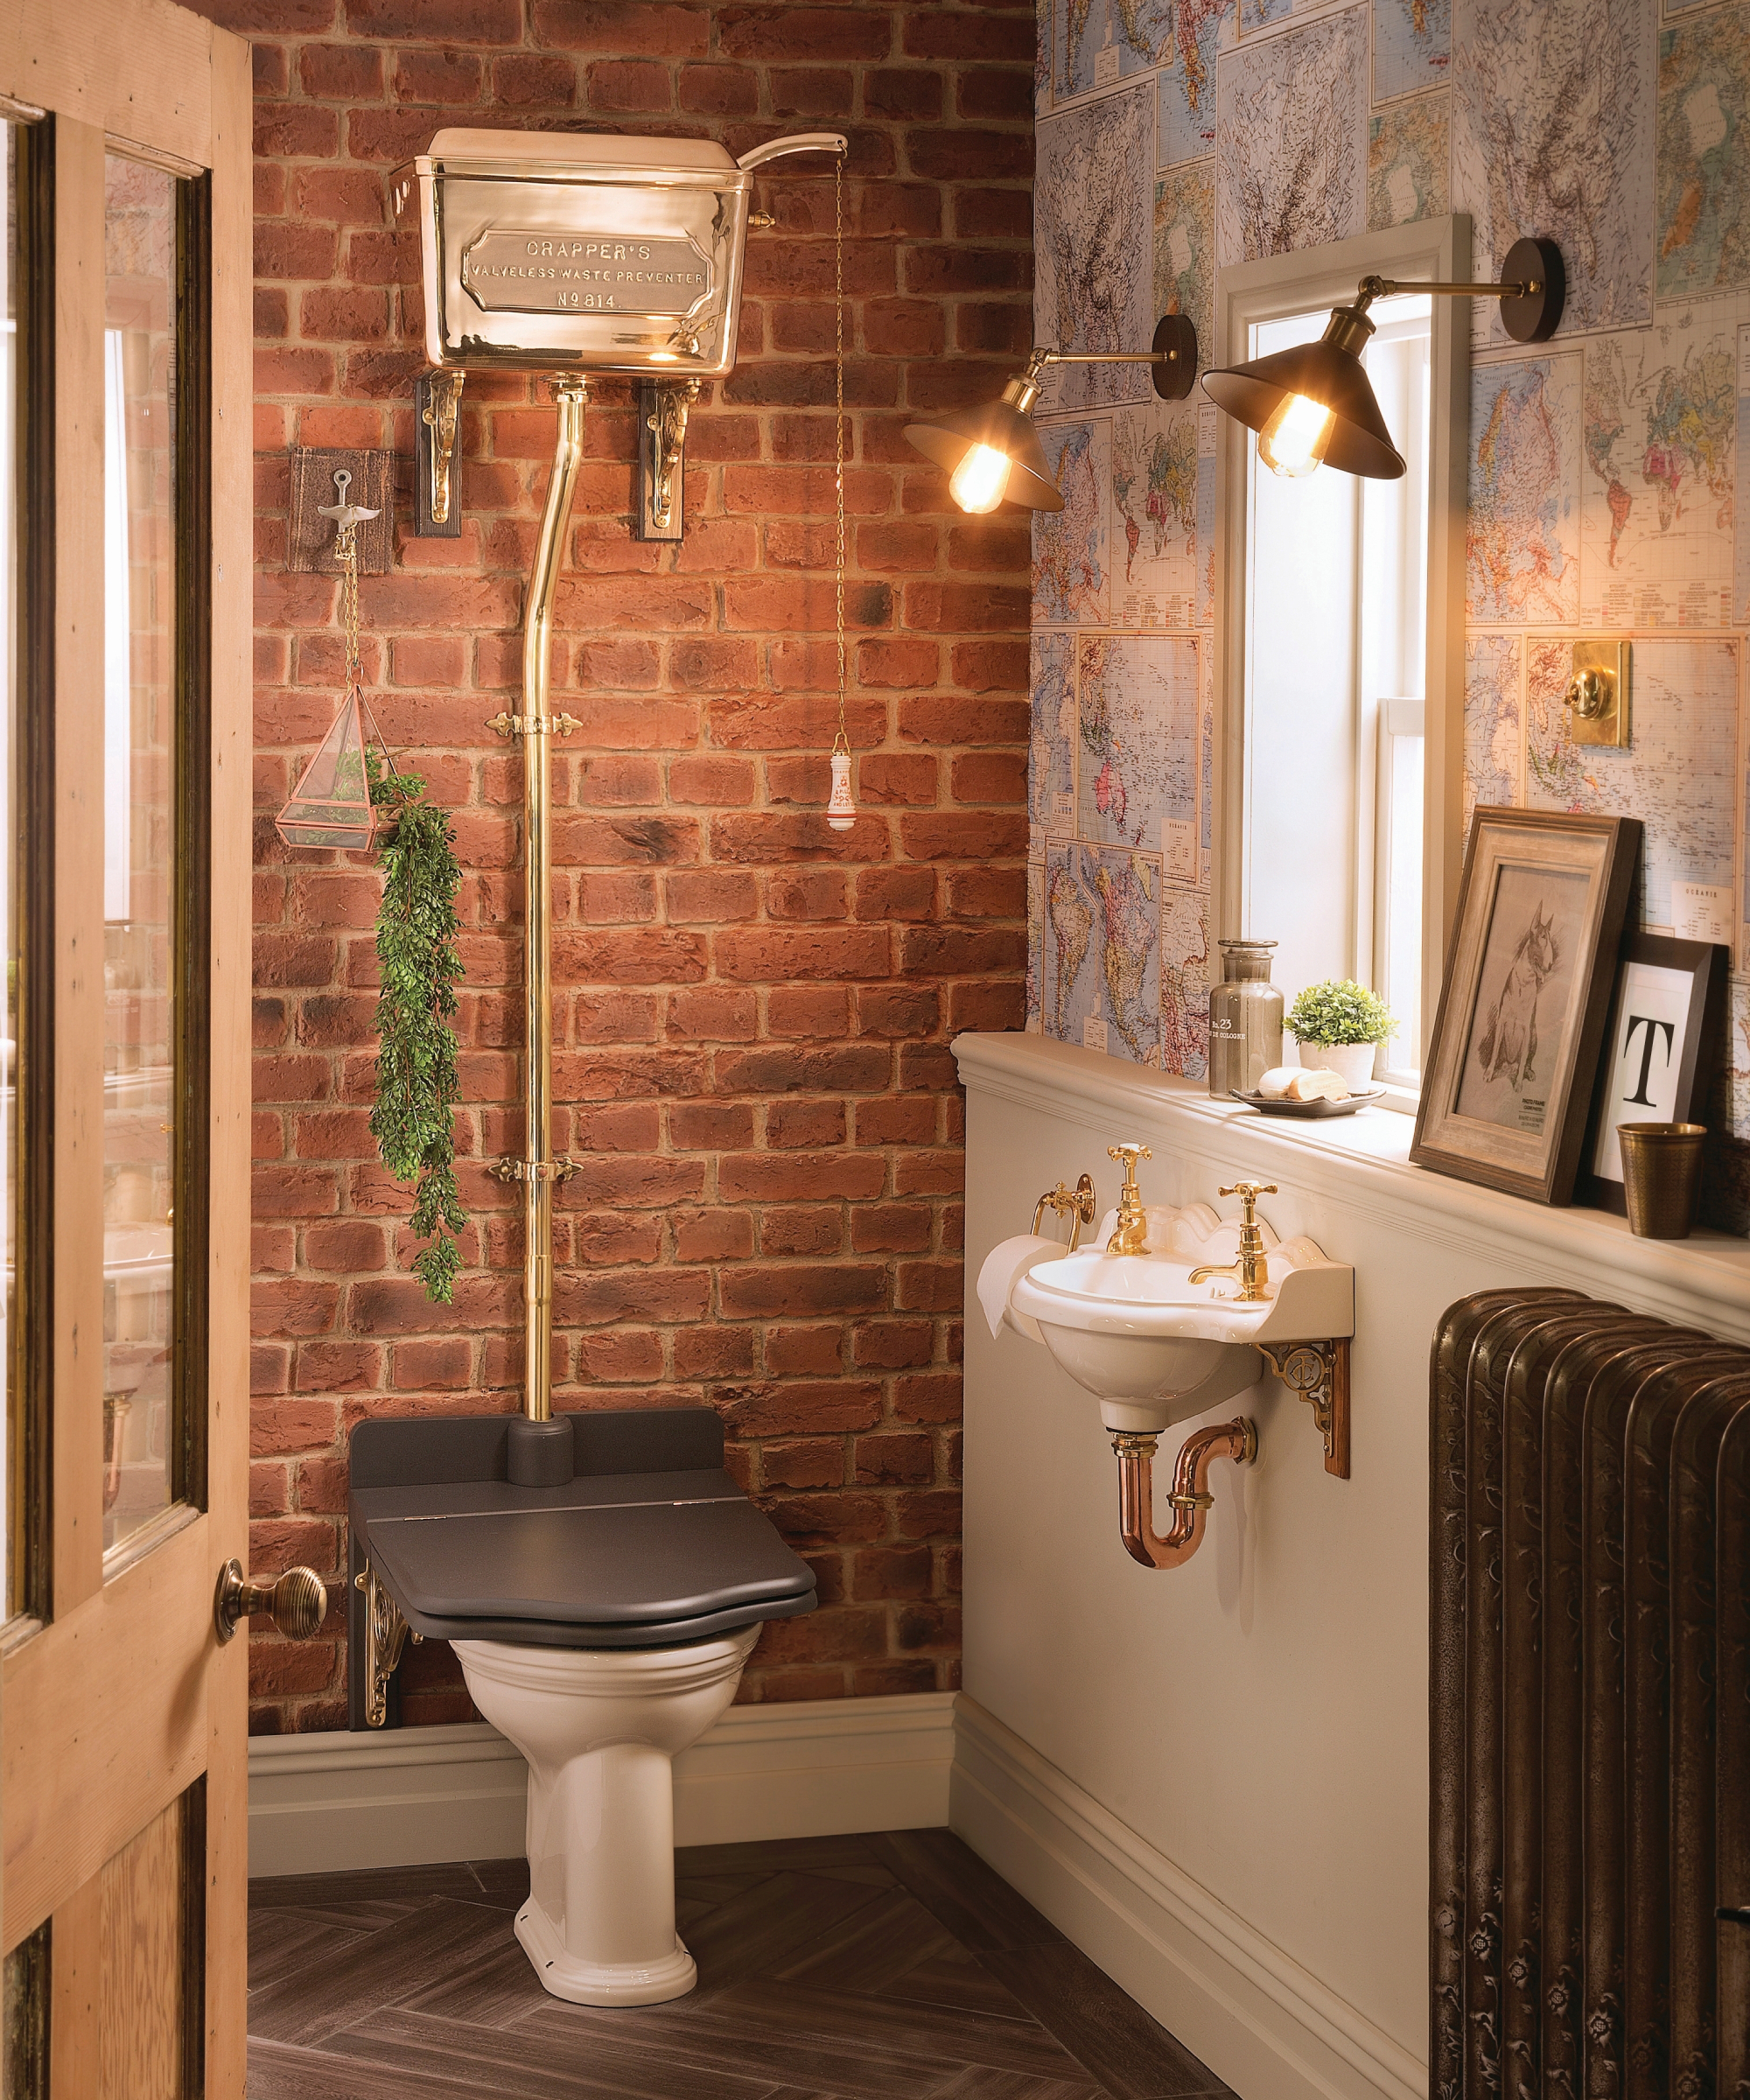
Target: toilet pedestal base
pixel 583 1983
pixel 600 1729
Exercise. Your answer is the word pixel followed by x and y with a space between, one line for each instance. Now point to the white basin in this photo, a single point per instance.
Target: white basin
pixel 1153 1348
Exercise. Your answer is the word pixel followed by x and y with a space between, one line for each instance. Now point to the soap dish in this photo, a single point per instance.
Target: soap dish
pixel 1311 1108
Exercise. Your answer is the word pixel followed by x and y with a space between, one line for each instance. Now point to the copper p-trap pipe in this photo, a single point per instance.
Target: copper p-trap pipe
pixel 1190 1501
pixel 570 393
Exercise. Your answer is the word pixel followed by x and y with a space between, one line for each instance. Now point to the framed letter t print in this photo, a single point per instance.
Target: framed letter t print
pixel 1508 1089
pixel 1666 1020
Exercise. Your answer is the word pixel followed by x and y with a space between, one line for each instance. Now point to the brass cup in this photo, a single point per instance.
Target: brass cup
pixel 1662 1177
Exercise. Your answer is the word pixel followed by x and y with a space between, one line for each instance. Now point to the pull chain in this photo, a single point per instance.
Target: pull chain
pixel 840 810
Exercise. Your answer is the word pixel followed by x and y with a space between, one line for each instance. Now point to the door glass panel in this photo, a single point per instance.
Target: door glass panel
pixel 13 1449
pixel 140 502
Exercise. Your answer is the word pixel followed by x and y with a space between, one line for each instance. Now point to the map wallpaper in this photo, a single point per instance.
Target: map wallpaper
pixel 1176 137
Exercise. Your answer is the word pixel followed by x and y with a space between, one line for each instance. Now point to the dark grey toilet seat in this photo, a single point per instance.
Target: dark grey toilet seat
pixel 651 1544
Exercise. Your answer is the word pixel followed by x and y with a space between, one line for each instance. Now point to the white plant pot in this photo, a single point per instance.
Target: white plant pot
pixel 1352 1062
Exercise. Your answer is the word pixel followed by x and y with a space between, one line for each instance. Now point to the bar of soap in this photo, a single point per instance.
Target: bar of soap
pixel 1319 1085
pixel 1275 1084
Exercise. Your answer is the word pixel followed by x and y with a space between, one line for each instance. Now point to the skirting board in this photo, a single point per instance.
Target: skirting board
pixel 409 1796
pixel 1259 2020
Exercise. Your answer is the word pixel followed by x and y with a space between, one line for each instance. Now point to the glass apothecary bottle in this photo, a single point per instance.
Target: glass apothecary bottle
pixel 1245 1020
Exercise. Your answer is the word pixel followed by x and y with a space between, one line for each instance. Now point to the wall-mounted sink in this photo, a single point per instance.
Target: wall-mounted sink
pixel 1134 1330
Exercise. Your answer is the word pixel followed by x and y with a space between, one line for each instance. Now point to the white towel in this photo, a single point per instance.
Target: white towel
pixel 1005 1266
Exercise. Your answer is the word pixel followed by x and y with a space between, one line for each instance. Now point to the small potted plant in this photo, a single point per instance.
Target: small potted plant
pixel 1339 1027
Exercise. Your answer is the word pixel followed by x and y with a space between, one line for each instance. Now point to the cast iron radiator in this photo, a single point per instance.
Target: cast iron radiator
pixel 1590 1814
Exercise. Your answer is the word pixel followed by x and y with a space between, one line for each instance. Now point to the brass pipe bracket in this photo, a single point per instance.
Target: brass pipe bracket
pixel 386 1636
pixel 1318 1373
pixel 534 725
pixel 1076 1204
pixel 510 1169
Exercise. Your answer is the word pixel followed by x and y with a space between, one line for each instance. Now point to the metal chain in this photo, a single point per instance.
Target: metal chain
pixel 347 548
pixel 842 743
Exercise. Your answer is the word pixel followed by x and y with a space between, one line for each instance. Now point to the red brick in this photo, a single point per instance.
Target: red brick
pixel 797 1352
pixel 817 1464
pixel 896 1345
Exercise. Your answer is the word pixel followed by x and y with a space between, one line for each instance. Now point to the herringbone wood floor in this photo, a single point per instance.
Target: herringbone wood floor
pixel 882 1967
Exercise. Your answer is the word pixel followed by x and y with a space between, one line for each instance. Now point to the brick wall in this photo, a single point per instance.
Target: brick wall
pixel 751 1013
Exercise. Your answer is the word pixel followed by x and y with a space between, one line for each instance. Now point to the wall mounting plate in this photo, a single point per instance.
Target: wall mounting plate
pixel 1598 695
pixel 310 538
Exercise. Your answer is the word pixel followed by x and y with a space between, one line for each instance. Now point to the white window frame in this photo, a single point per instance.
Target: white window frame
pixel 1275 289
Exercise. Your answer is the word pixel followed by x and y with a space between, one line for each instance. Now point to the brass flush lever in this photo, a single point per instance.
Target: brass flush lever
pixel 1130 1235
pixel 298 1603
pixel 1251 1268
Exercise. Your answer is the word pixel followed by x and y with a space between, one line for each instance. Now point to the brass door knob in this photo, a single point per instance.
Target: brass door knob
pixel 298 1603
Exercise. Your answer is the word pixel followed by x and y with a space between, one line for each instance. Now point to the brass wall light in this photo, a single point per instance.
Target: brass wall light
pixel 993 452
pixel 1314 404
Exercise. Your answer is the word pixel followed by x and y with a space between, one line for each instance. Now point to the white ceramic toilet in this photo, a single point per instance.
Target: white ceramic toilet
pixel 600 1728
pixel 602 1623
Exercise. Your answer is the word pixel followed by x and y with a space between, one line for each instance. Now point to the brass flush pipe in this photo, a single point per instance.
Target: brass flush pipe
pixel 538 1168
pixel 1190 1501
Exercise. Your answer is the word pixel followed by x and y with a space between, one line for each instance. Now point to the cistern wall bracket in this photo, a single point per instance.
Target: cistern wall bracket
pixel 1318 1372
pixel 1076 1204
pixel 386 1636
pixel 437 414
pixel 663 406
pixel 1598 695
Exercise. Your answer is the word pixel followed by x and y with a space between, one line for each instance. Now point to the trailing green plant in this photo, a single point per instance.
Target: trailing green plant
pixel 1346 1012
pixel 414 1117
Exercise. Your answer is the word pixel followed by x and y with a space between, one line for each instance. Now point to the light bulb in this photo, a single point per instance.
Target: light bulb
pixel 1292 443
pixel 981 480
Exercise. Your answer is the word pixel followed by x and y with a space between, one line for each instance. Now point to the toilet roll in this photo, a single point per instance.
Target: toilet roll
pixel 1005 1266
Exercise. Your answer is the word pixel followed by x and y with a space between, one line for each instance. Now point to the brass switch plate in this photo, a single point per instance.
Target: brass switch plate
pixel 1598 695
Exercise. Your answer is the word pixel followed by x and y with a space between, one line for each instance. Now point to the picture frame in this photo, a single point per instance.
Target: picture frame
pixel 1507 1084
pixel 1662 1047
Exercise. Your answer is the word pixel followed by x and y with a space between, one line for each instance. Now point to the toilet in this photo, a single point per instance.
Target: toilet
pixel 602 1625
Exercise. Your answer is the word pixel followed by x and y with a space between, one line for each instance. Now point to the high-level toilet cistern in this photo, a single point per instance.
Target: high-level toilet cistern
pixel 1160 1329
pixel 602 1577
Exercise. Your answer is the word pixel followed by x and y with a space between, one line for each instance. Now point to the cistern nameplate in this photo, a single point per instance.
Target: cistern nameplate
pixel 519 271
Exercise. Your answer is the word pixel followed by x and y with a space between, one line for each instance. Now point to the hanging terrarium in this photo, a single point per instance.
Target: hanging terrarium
pixel 330 805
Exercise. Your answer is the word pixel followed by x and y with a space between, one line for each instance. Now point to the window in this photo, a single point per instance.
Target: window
pixel 1335 804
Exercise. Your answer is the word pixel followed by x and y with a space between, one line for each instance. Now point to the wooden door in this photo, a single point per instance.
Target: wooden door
pixel 125 809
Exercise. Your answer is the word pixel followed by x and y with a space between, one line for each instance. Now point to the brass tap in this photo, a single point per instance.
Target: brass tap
pixel 1251 1268
pixel 1130 1235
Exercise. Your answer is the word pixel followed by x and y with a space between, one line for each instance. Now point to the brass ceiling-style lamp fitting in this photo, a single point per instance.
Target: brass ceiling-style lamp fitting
pixel 1313 405
pixel 993 452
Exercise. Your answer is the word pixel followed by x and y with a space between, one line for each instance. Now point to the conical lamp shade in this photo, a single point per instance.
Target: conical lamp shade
pixel 330 805
pixel 1328 372
pixel 1005 428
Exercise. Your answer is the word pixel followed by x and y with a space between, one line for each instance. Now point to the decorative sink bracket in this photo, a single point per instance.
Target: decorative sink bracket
pixel 1318 1373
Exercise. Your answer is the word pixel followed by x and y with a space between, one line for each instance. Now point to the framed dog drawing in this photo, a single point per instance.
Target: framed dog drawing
pixel 1508 1086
